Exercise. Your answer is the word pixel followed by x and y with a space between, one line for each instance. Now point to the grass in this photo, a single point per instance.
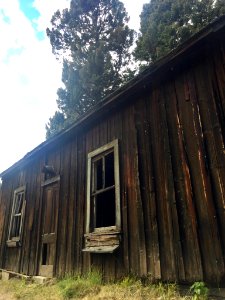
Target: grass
pixel 89 287
pixel 78 287
pixel 20 289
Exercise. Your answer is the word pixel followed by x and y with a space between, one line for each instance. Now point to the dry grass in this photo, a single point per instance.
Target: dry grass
pixel 19 289
pixel 89 288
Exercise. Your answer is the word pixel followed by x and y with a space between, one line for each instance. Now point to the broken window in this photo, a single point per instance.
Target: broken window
pixel 103 191
pixel 17 214
pixel 103 197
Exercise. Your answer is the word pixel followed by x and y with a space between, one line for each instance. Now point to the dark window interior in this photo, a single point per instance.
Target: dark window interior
pixel 15 230
pixel 19 203
pixel 103 191
pixel 105 209
pixel 109 169
pixel 44 254
pixel 99 174
pixel 47 176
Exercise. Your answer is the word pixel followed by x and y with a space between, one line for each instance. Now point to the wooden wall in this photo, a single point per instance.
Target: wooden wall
pixel 172 171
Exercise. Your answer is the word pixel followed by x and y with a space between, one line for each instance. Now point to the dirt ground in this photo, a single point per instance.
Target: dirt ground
pixel 6 296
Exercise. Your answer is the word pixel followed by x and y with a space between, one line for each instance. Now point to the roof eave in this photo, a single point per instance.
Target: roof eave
pixel 167 61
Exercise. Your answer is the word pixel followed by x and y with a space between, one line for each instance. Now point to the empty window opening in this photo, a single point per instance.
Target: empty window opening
pixel 103 191
pixel 103 200
pixel 105 214
pixel 44 254
pixel 109 170
pixel 15 232
pixel 103 169
pixel 99 180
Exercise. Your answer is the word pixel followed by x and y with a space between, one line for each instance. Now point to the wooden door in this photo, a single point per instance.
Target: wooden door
pixel 49 229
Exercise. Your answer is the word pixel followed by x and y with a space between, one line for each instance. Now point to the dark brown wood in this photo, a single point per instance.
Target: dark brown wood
pixel 183 188
pixel 51 180
pixel 70 253
pixel 146 177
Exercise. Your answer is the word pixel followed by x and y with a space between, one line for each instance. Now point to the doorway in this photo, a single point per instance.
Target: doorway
pixel 49 229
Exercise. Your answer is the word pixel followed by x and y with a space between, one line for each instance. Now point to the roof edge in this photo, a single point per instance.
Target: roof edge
pixel 204 33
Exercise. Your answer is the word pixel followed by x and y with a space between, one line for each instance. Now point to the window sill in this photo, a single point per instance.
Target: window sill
pixel 13 244
pixel 105 230
pixel 102 249
pixel 102 242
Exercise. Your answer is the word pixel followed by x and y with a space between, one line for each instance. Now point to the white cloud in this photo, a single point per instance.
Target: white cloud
pixel 47 9
pixel 29 76
pixel 134 10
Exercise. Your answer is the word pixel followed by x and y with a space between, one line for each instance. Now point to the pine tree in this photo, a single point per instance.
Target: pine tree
pixel 94 40
pixel 167 23
pixel 55 124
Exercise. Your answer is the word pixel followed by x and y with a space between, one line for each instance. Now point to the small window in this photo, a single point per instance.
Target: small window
pixel 103 196
pixel 17 214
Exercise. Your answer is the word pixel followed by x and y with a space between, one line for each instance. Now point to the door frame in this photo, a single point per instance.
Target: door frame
pixel 47 271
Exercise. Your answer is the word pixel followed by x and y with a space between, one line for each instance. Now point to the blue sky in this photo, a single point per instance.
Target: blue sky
pixel 29 73
pixel 28 9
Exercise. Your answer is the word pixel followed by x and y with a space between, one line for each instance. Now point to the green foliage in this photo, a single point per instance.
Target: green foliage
pixel 94 40
pixel 129 281
pixel 56 123
pixel 167 23
pixel 78 287
pixel 135 287
pixel 166 291
pixel 89 287
pixel 199 290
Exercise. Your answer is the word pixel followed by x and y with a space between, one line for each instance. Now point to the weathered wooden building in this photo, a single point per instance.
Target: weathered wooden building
pixel 136 186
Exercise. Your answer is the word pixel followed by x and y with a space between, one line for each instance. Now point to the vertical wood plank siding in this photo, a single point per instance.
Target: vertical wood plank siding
pixel 172 169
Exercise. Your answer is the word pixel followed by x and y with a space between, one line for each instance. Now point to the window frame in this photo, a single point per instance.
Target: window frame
pixel 92 156
pixel 14 241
